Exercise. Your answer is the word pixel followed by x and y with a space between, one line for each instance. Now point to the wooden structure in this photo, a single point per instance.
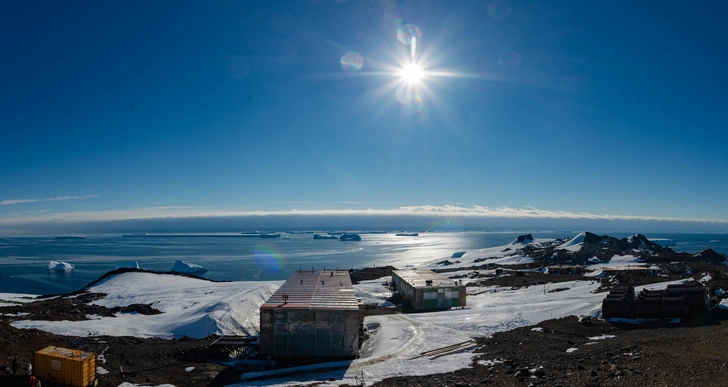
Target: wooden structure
pixel 240 347
pixel 425 289
pixel 312 314
pixel 566 270
pixel 615 270
pixel 68 367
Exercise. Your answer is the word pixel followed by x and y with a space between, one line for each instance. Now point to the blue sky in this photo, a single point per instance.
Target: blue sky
pixel 148 109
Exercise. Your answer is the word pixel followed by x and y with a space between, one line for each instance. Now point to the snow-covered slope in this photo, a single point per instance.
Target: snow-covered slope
pixel 509 254
pixel 191 307
pixel 12 299
pixel 574 244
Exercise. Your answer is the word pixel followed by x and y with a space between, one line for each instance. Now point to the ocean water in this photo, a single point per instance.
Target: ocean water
pixel 24 260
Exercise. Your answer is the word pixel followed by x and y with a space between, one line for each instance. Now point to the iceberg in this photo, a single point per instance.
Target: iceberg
pixel 60 266
pixel 181 266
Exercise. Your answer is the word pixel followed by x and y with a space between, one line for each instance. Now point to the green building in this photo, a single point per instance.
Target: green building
pixel 425 289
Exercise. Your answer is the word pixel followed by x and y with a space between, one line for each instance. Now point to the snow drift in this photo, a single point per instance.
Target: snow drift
pixel 575 243
pixel 191 307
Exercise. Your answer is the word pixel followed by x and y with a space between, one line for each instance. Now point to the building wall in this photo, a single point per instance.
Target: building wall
pixel 431 297
pixel 435 297
pixel 267 344
pixel 403 287
pixel 304 332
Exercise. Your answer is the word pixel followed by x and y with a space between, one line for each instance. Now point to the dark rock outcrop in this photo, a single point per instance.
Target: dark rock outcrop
pixel 711 256
pixel 528 238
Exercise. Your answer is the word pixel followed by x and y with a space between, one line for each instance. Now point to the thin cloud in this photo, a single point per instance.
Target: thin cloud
pixel 18 201
pixel 501 212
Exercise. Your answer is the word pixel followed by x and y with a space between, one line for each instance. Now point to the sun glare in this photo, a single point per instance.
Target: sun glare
pixel 412 73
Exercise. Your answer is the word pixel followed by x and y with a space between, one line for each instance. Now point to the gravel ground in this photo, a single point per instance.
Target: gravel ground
pixel 657 353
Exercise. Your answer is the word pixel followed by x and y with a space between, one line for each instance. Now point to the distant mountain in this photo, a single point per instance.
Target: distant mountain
pixel 587 246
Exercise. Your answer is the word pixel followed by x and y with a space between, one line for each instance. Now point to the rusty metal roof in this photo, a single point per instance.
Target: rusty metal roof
pixel 419 278
pixel 316 290
pixel 66 353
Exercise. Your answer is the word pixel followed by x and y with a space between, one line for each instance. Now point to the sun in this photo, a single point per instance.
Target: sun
pixel 412 73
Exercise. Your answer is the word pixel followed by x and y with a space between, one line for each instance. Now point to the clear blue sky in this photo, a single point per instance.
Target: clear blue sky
pixel 613 108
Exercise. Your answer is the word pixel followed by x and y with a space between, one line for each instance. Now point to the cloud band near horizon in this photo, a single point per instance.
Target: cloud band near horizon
pixel 171 212
pixel 19 201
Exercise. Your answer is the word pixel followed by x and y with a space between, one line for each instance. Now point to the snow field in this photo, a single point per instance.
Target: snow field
pixel 191 307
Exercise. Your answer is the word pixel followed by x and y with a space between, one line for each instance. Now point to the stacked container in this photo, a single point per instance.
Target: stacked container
pixel 688 300
pixel 618 303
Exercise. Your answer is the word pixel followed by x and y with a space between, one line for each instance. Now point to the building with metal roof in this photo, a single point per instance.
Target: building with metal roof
pixel 425 289
pixel 64 366
pixel 314 313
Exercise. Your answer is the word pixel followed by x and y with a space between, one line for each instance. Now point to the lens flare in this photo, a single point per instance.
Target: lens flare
pixel 409 97
pixel 409 34
pixel 412 73
pixel 268 259
pixel 352 61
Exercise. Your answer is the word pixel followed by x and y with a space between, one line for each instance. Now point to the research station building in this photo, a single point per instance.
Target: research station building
pixel 314 313
pixel 425 289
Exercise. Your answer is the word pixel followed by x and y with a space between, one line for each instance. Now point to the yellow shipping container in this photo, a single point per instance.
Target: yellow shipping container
pixel 70 367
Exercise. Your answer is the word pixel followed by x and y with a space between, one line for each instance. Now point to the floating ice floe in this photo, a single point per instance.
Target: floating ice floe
pixel 181 266
pixel 60 266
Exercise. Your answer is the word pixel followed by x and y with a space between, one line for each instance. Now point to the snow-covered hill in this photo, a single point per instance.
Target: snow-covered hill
pixel 191 307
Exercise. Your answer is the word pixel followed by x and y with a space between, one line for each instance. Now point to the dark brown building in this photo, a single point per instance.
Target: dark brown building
pixel 575 269
pixel 314 313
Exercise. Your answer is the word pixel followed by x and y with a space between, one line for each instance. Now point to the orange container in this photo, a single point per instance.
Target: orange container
pixel 69 367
